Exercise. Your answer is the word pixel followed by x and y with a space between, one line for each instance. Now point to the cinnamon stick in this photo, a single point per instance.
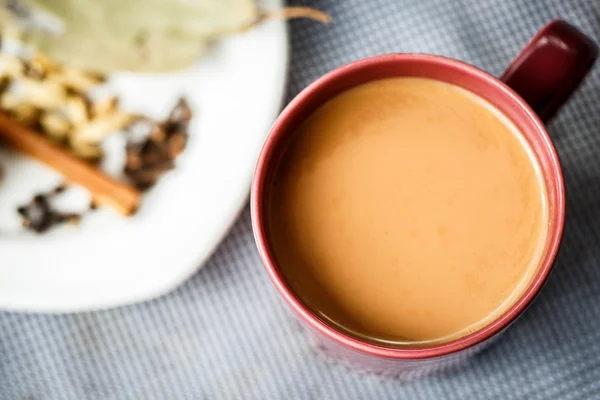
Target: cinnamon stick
pixel 104 189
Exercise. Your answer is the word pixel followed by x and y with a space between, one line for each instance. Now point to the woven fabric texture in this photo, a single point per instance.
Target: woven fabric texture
pixel 225 334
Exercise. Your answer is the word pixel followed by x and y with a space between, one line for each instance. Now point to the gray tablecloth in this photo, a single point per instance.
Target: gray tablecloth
pixel 225 334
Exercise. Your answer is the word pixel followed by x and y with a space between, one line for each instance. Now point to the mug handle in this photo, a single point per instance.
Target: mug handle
pixel 551 66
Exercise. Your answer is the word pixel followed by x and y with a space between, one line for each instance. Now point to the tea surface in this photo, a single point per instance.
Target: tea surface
pixel 407 211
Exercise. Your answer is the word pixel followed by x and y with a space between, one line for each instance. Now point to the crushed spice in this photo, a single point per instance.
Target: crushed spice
pixel 39 215
pixel 155 154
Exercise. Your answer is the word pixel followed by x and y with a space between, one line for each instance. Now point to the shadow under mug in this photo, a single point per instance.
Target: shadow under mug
pixel 532 89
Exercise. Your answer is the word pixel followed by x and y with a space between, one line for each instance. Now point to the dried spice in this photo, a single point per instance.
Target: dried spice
pixel 158 36
pixel 39 98
pixel 56 100
pixel 39 215
pixel 148 159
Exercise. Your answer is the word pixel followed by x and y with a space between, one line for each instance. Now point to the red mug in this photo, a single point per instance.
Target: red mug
pixel 531 90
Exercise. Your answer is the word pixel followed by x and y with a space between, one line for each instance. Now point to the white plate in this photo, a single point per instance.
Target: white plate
pixel 236 92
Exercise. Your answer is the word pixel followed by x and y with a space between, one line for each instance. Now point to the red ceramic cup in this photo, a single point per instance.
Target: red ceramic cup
pixel 531 90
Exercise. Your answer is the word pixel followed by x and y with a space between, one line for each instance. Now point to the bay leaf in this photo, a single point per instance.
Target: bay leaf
pixel 135 35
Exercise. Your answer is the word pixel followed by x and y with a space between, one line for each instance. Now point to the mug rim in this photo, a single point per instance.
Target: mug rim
pixel 435 350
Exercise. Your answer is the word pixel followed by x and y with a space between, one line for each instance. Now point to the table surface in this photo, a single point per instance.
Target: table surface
pixel 200 342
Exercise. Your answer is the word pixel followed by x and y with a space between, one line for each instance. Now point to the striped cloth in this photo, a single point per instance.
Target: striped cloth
pixel 226 335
